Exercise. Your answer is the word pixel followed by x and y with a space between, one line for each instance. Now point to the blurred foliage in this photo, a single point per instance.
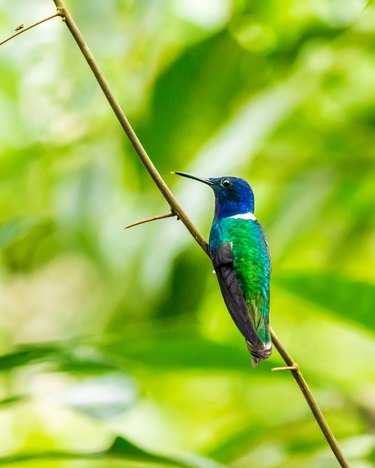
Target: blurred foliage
pixel 116 348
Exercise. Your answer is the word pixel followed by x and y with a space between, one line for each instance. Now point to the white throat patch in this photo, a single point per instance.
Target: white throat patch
pixel 245 216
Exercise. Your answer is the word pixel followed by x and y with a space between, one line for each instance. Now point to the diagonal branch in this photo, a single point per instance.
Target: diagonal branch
pixel 181 214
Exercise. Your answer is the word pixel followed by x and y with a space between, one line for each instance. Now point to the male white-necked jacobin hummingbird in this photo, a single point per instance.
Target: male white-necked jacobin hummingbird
pixel 239 252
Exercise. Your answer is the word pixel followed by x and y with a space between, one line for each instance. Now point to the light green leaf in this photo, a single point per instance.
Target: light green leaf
pixel 12 230
pixel 121 448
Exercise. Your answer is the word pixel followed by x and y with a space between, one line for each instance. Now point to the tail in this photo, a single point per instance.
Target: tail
pixel 259 351
pixel 259 346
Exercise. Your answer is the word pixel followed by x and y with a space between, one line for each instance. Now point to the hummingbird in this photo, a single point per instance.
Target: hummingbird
pixel 239 251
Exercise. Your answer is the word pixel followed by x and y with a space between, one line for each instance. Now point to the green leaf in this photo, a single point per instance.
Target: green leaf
pixel 25 355
pixel 12 230
pixel 68 358
pixel 351 300
pixel 12 400
pixel 124 448
pixel 183 351
pixel 188 83
pixel 120 448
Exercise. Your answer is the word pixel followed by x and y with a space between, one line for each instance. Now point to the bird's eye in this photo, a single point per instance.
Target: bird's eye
pixel 225 183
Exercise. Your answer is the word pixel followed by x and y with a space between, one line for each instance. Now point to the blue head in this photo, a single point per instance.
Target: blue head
pixel 232 195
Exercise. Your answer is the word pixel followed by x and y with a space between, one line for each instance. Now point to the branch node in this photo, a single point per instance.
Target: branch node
pixel 61 13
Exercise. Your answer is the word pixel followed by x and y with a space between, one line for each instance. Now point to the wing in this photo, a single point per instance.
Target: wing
pixel 241 313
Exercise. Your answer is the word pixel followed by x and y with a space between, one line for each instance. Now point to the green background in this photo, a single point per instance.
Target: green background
pixel 116 347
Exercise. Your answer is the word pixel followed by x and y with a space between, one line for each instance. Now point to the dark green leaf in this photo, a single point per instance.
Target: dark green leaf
pixel 26 355
pixel 351 300
pixel 184 351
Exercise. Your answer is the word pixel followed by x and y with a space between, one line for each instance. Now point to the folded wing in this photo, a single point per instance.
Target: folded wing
pixel 247 317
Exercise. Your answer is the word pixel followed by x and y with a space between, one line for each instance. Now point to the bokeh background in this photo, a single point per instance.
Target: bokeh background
pixel 116 347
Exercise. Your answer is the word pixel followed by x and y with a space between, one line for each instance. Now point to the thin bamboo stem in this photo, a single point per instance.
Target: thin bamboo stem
pixel 178 211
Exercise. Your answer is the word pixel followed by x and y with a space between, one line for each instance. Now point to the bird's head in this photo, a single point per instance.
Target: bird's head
pixel 233 195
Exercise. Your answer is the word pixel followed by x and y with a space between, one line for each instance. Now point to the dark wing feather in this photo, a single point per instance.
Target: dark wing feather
pixel 222 259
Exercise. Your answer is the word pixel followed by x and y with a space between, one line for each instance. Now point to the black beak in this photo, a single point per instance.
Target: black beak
pixel 191 176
